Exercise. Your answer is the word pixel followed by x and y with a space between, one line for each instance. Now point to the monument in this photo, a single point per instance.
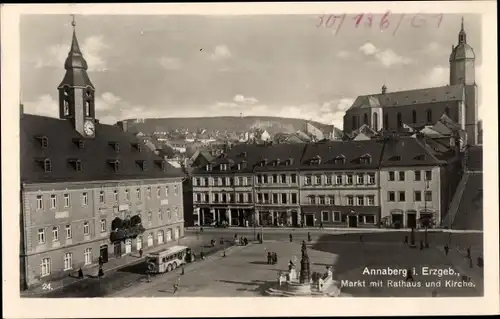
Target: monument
pixel 305 274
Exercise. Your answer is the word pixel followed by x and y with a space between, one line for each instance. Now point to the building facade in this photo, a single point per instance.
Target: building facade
pixel 393 111
pixel 89 191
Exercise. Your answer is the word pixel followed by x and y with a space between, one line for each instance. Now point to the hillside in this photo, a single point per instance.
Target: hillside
pixel 222 124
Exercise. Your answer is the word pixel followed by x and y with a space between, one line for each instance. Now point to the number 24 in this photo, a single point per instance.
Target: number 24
pixel 46 286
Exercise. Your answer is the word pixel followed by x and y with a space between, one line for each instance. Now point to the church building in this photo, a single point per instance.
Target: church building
pixel 394 111
pixel 89 191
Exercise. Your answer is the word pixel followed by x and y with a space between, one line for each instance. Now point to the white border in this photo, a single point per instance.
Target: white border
pixel 14 306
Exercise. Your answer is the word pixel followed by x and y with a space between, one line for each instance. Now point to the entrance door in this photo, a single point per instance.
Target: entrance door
pixel 118 249
pixel 352 221
pixel 310 220
pixel 412 220
pixel 295 219
pixel 128 246
pixel 139 243
pixel 397 220
pixel 103 253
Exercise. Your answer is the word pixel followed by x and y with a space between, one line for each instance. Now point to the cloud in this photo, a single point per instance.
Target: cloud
pixel 170 63
pixel 92 49
pixel 387 57
pixel 221 52
pixel 45 105
pixel 343 54
pixel 247 100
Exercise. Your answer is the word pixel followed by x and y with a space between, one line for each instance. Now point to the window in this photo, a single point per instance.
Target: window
pixel 176 188
pixel 371 179
pixel 158 192
pixel 354 124
pixel 283 198
pixel 386 121
pixel 331 200
pixel 39 202
pixel 160 237
pixel 87 254
pixel 195 181
pixel 249 180
pixel 101 197
pixel 414 117
pixel 148 191
pixel 369 219
pixel 138 193
pixel 176 211
pixel 275 199
pixel 349 179
pixel 53 201
pixel 401 176
pixel 294 198
pixel 275 179
pixel 307 180
pixel 103 225
pixel 68 261
pixel 85 199
pixel 325 216
pixel 417 196
pixel 370 200
pixel 350 200
pixel 428 175
pixel 127 194
pixel 169 213
pixel 417 175
pixel 322 200
pixel 55 233
pixel 68 231
pixel 294 178
pixel 391 196
pixel 365 119
pixel 318 180
pixel 67 201
pixel 360 179
pixel 41 236
pixel 283 178
pixel 338 179
pixel 429 116
pixel 361 201
pixel 428 196
pixel 47 166
pixel 150 216
pixel 312 200
pixel 391 176
pixel 45 267
pixel 328 180
pixel 402 196
pixel 400 121
pixel 249 197
pixel 86 228
pixel 115 195
pixel 336 216
pixel 166 190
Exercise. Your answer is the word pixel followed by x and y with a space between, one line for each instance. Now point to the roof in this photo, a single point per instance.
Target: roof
pixel 352 151
pixel 410 97
pixel 409 151
pixel 169 250
pixel 95 156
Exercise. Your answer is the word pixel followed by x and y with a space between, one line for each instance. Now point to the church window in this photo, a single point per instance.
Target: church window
pixel 47 165
pixel 400 121
pixel 414 116
pixel 87 108
pixel 365 119
pixel 386 121
pixel 66 108
pixel 375 121
pixel 429 116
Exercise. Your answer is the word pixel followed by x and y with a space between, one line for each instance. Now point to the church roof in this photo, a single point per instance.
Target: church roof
pixel 45 138
pixel 410 97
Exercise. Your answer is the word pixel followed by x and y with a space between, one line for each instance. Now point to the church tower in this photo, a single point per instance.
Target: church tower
pixel 463 72
pixel 76 92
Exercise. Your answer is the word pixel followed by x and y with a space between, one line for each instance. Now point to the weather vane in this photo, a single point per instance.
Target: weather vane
pixel 73 22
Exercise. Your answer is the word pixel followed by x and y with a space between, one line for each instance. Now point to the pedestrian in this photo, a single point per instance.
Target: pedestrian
pixel 201 229
pixel 269 258
pixel 406 240
pixel 212 242
pixel 245 241
pixel 321 225
pixel 468 253
pixel 80 273
pixel 149 276
pixel 275 258
pixel 291 237
pixel 176 287
pixel 182 270
pixel 101 261
pixel 224 253
pixel 221 241
pixel 308 236
pixel 446 249
pixel 409 275
pixel 100 273
pixel 258 238
pixel 141 252
pixel 421 244
pixel 361 238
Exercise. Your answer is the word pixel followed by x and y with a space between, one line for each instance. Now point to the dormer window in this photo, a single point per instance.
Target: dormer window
pixel 339 159
pixel 160 164
pixel 316 160
pixel 79 143
pixel 420 157
pixel 77 164
pixel 142 164
pixel 289 161
pixel 46 164
pixel 223 167
pixel 115 165
pixel 277 162
pixel 43 140
pixel 365 159
pixel 239 167
pixel 243 154
pixel 137 147
pixel 209 167
pixel 115 146
pixel 263 162
pixel 395 158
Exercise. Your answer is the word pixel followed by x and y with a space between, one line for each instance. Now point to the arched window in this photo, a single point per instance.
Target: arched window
pixel 447 111
pixel 400 121
pixel 386 121
pixel 429 116
pixel 375 121
pixel 414 116
pixel 365 119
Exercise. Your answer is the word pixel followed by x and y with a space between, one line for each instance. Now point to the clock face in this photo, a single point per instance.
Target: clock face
pixel 88 128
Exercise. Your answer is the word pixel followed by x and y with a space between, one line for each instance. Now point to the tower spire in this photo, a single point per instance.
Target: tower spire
pixel 462 36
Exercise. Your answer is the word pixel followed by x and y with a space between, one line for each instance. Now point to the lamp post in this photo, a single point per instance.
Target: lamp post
pixel 426 222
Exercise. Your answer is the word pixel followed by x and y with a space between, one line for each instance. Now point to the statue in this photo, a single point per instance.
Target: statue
pixel 305 276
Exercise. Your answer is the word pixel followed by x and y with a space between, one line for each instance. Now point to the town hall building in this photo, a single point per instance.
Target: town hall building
pixel 396 111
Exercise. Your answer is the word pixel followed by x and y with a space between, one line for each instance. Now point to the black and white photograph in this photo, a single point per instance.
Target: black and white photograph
pixel 336 154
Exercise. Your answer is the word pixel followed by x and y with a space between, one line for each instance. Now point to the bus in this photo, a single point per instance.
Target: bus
pixel 166 259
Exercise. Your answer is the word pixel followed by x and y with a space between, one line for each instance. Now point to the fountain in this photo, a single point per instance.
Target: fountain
pixel 317 286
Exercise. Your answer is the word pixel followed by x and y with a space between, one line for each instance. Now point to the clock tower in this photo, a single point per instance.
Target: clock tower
pixel 76 92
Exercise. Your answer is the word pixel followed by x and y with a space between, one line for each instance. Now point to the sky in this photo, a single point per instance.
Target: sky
pixel 299 66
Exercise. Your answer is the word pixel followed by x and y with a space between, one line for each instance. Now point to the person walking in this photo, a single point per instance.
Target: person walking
pixel 176 287
pixel 446 249
pixel 269 258
pixel 290 237
pixel 275 258
pixel 309 236
pixel 80 273
pixel 140 253
pixel 406 240
pixel 468 253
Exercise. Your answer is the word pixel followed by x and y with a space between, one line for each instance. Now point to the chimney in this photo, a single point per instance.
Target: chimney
pixel 384 89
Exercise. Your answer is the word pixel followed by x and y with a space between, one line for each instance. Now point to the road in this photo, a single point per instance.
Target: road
pixel 324 240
